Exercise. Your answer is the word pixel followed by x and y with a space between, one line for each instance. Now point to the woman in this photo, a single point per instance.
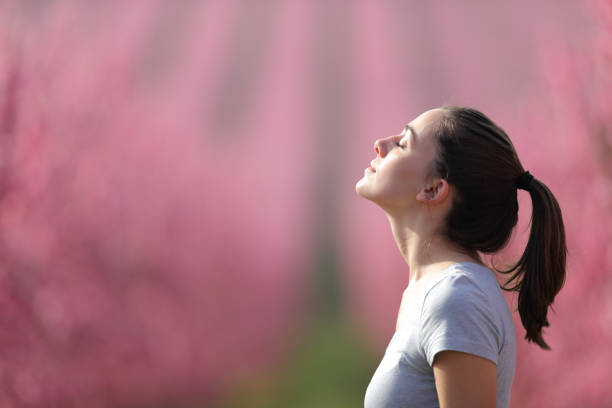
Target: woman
pixel 448 185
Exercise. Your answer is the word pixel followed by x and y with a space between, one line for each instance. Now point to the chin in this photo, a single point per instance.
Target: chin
pixel 363 192
pixel 361 188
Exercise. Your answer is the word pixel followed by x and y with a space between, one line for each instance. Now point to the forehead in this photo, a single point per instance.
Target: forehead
pixel 422 123
pixel 426 119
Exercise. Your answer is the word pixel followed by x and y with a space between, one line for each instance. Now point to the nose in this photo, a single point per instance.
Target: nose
pixel 380 147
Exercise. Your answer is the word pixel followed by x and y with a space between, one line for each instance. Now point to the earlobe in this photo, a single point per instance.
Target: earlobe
pixel 434 193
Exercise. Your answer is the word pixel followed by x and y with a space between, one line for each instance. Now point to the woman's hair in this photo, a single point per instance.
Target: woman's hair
pixel 478 160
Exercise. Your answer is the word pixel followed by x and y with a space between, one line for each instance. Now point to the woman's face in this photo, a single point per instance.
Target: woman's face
pixel 402 162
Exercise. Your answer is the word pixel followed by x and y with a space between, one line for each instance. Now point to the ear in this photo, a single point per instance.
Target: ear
pixel 434 193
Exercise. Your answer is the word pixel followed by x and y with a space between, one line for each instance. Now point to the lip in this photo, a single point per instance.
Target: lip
pixel 372 168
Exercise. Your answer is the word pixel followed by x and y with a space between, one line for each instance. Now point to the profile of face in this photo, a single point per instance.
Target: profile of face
pixel 397 177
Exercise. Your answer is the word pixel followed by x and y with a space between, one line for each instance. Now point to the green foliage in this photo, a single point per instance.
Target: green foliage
pixel 331 369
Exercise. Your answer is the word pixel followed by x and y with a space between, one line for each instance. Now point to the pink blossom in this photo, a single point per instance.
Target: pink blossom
pixel 150 253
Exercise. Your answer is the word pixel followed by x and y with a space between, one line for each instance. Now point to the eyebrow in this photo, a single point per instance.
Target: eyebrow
pixel 412 132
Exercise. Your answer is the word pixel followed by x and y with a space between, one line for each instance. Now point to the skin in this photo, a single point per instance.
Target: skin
pixel 415 205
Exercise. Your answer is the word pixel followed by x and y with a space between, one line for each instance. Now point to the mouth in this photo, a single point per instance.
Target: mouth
pixel 372 168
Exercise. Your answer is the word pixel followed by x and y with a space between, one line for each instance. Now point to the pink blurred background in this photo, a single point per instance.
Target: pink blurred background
pixel 178 219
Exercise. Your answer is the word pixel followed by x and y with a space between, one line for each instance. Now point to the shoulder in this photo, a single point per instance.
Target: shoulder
pixel 458 314
pixel 459 286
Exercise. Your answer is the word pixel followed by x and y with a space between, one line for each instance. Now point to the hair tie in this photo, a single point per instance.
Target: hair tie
pixel 524 181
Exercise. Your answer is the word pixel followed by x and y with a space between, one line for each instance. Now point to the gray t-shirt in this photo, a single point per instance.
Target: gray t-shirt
pixel 461 309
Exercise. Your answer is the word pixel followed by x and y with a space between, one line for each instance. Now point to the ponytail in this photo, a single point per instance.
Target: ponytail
pixel 540 272
pixel 478 159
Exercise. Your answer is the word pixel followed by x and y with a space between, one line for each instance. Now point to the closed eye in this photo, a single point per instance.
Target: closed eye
pixel 406 132
pixel 399 144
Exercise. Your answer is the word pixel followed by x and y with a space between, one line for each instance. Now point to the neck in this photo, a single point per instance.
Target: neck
pixel 423 248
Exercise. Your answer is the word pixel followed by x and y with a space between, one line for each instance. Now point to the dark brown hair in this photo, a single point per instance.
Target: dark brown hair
pixel 478 160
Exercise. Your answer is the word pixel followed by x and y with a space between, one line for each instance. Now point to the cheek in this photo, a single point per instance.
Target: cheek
pixel 395 180
pixel 400 173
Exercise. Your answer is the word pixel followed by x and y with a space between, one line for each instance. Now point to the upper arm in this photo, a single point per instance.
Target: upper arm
pixel 465 380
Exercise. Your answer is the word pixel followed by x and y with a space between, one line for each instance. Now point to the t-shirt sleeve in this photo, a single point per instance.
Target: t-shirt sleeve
pixel 457 315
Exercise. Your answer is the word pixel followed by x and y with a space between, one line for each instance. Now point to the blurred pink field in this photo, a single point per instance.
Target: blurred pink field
pixel 167 168
pixel 135 234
